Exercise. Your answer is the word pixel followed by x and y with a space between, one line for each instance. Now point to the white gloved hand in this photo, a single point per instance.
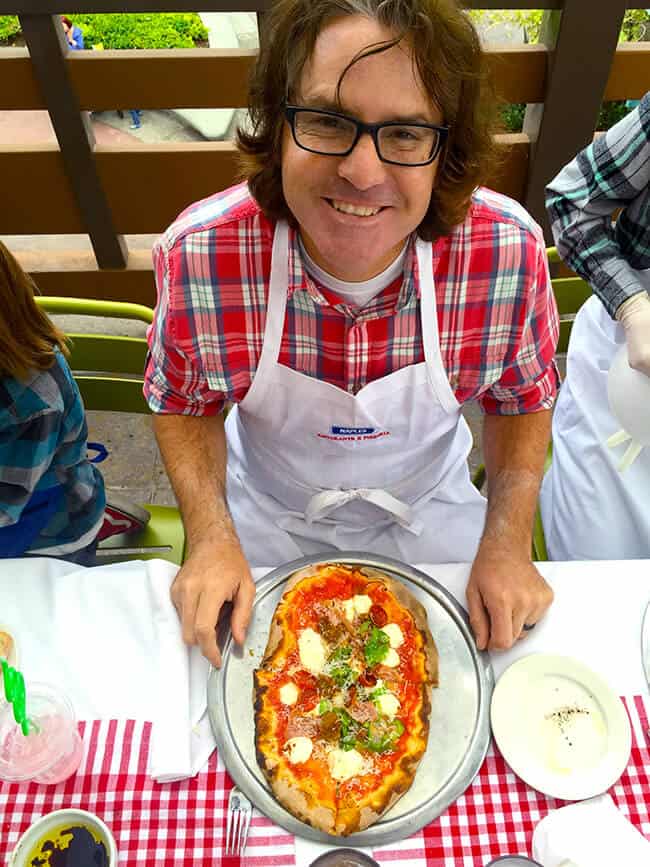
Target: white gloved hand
pixel 634 316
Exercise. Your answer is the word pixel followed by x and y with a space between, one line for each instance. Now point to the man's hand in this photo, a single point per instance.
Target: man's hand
pixel 211 576
pixel 194 452
pixel 504 592
pixel 634 316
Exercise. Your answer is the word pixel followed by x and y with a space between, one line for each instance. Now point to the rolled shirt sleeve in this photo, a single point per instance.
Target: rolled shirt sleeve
pixel 529 378
pixel 175 381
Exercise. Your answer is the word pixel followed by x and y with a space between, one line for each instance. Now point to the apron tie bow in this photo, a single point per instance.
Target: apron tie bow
pixel 324 502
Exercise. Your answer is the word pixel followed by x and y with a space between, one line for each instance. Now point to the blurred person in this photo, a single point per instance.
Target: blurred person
pixel 589 509
pixel 136 118
pixel 73 34
pixel 51 497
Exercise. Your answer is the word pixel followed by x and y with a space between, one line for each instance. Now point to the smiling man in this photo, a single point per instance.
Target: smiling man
pixel 347 300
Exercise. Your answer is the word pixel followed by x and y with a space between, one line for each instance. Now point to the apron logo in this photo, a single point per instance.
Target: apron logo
pixel 347 434
pixel 350 431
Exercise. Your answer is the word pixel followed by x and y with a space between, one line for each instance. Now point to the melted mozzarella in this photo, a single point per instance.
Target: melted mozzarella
pixel 362 604
pixel 359 604
pixel 298 749
pixel 388 704
pixel 344 764
pixel 391 660
pixel 394 634
pixel 312 651
pixel 288 693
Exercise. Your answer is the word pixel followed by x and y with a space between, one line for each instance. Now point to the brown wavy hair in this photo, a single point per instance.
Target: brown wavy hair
pixel 28 338
pixel 451 64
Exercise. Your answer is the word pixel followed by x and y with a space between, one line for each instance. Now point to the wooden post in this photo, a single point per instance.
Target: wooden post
pixel 47 47
pixel 583 42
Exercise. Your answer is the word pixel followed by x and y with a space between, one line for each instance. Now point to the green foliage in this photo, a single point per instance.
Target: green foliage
pixel 636 23
pixel 531 19
pixel 636 26
pixel 9 28
pixel 513 116
pixel 151 30
pixel 610 113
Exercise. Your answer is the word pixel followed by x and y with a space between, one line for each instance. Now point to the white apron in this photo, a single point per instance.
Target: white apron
pixel 312 468
pixel 590 511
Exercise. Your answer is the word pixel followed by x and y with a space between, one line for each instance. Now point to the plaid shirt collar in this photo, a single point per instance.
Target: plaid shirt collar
pixel 390 300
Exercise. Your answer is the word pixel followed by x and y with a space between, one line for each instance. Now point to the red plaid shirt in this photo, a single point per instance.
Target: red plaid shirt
pixel 497 317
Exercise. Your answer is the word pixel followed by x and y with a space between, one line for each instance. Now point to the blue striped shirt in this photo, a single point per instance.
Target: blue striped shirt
pixel 43 435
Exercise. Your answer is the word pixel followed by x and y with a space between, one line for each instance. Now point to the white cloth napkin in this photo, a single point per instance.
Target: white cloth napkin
pixel 591 833
pixel 110 638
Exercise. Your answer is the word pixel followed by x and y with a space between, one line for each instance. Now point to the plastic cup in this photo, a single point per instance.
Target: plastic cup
pixel 52 751
pixel 61 820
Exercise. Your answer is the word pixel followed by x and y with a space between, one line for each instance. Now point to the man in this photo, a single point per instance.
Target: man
pixel 589 509
pixel 73 34
pixel 347 301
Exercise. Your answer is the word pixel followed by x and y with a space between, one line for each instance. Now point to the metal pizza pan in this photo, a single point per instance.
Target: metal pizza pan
pixel 459 732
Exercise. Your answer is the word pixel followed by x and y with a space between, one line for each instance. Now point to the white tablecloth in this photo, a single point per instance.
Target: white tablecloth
pixel 110 635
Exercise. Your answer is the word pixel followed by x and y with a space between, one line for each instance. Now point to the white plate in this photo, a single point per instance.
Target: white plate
pixel 560 727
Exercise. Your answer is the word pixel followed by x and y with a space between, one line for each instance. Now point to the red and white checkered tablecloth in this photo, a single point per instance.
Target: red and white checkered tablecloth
pixel 183 823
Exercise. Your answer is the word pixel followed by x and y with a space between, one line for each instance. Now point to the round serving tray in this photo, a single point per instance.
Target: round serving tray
pixel 459 732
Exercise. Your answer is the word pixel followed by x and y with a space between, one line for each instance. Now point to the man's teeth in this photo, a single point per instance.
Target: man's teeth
pixel 357 210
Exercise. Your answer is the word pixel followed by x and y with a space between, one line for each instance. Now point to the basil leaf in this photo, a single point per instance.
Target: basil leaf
pixel 376 647
pixel 380 738
pixel 377 691
pixel 365 626
pixel 348 741
pixel 343 675
pixel 350 730
pixel 324 706
pixel 341 653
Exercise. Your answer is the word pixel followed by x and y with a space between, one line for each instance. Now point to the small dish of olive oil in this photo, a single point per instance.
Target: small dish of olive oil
pixel 66 838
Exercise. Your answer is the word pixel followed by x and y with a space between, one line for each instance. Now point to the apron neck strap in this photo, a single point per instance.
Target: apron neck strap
pixel 277 297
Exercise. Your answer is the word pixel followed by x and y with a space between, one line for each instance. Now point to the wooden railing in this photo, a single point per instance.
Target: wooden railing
pixel 107 191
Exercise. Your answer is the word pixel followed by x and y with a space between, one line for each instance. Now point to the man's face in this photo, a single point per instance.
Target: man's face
pixel 380 88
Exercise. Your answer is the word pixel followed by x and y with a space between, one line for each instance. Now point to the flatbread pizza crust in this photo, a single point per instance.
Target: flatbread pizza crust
pixel 308 791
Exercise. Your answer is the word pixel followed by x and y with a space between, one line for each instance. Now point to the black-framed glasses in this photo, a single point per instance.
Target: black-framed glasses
pixel 336 135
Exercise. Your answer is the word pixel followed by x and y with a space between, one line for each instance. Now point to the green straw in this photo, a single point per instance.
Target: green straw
pixel 14 687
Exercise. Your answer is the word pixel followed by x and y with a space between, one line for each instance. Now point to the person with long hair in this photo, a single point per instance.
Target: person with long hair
pixel 51 497
pixel 348 299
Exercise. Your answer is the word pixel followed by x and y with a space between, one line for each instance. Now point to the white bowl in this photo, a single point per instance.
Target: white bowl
pixel 629 398
pixel 56 820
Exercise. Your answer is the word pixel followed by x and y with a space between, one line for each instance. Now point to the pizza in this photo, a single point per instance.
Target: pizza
pixel 343 696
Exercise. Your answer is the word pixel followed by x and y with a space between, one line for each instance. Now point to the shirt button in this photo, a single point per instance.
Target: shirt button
pixel 454 380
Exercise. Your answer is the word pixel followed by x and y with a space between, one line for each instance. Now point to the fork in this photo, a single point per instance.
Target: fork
pixel 238 822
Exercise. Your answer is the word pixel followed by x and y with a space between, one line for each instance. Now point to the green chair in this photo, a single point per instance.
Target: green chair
pixel 109 372
pixel 570 294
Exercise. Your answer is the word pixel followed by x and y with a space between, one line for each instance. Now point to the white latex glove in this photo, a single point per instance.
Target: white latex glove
pixel 634 316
